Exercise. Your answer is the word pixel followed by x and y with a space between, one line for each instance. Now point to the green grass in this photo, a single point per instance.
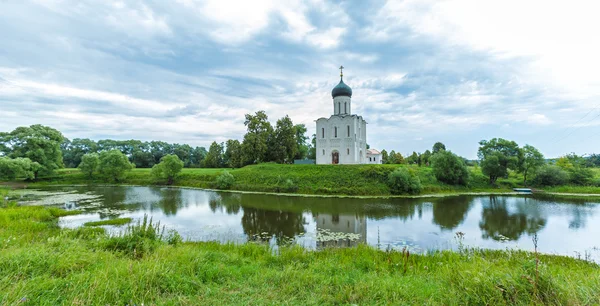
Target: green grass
pixel 41 264
pixel 116 221
pixel 358 180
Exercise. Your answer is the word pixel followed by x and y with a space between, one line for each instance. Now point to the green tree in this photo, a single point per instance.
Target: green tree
pixel 198 156
pixel 312 149
pixel 449 168
pixel 492 166
pixel 301 139
pixel 214 158
pixel 504 155
pixel 89 164
pixel 254 146
pixel 169 167
pixel 41 144
pixel 437 147
pixel 426 158
pixel 233 154
pixel 384 156
pixel 74 150
pixel 283 146
pixel 114 165
pixel 13 168
pixel 413 159
pixel 532 159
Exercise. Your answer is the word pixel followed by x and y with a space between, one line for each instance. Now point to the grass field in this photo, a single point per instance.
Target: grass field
pixel 41 264
pixel 367 180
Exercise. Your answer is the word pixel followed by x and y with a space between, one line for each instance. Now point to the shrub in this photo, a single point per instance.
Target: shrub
pixel 404 181
pixel 114 165
pixel 169 167
pixel 551 176
pixel 286 185
pixel 89 164
pixel 225 180
pixel 581 176
pixel 449 168
pixel 12 168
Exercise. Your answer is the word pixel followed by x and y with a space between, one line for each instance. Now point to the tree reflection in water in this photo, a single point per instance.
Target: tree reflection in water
pixel 260 224
pixel 498 223
pixel 230 203
pixel 450 212
pixel 170 200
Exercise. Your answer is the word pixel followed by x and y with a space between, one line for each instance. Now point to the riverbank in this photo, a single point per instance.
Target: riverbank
pixel 43 264
pixel 323 180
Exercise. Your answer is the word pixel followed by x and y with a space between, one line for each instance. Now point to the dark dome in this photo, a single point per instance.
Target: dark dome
pixel 341 89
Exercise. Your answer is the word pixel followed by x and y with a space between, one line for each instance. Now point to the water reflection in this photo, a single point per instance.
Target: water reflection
pixel 563 226
pixel 450 212
pixel 340 230
pixel 498 223
pixel 169 200
pixel 260 224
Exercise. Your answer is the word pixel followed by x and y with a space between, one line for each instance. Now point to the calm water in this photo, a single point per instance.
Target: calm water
pixel 563 227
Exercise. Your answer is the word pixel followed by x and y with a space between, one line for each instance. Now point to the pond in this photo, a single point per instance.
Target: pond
pixel 496 222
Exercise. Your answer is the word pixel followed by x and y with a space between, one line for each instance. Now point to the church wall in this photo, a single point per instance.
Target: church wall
pixel 349 148
pixel 342 105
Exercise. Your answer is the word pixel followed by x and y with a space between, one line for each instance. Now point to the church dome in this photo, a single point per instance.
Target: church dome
pixel 341 89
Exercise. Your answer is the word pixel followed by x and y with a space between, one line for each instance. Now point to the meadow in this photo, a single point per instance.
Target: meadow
pixel 41 264
pixel 356 180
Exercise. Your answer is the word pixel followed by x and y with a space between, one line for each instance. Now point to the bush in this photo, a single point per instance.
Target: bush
pixel 403 181
pixel 551 176
pixel 286 185
pixel 12 168
pixel 89 164
pixel 225 180
pixel 449 168
pixel 169 167
pixel 114 165
pixel 581 176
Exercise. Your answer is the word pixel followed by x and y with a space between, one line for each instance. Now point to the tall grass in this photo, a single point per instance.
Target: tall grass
pixel 51 266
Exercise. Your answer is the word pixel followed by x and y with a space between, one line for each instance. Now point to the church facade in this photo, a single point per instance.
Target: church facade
pixel 341 138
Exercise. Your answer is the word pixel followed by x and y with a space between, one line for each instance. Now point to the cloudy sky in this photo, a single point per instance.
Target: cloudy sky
pixel 422 71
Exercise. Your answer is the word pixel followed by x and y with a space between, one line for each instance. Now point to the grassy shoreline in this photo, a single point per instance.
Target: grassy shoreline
pixel 41 264
pixel 318 180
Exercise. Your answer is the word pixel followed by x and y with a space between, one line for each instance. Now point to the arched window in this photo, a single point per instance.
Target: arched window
pixel 323 151
pixel 323 132
pixel 348 131
pixel 335 132
pixel 339 107
pixel 345 108
pixel 348 150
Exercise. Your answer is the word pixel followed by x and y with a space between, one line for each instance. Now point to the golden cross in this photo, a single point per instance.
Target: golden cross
pixel 341 72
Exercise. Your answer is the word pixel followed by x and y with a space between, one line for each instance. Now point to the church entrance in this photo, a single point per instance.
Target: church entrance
pixel 335 157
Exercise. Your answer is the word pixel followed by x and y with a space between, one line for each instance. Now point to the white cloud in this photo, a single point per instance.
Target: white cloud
pixel 557 37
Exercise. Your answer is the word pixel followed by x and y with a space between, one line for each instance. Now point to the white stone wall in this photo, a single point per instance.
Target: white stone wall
pixel 342 105
pixel 374 159
pixel 349 142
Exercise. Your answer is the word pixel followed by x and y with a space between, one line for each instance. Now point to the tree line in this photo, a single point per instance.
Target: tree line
pixel 39 150
pixel 496 158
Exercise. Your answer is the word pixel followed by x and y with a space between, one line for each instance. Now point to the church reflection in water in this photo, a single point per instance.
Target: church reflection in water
pixel 340 230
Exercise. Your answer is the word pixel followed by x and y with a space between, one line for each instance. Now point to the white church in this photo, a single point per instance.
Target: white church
pixel 342 138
